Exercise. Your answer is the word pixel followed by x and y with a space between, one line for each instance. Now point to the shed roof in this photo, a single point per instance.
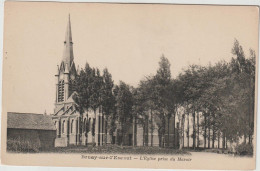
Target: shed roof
pixel 29 121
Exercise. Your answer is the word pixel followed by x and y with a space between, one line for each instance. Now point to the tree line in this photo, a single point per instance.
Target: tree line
pixel 218 98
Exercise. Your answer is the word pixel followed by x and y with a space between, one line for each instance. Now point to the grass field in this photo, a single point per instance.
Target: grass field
pixel 115 149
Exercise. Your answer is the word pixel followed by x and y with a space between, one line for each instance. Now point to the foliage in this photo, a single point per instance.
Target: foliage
pixel 124 104
pixel 244 149
pixel 19 145
pixel 219 97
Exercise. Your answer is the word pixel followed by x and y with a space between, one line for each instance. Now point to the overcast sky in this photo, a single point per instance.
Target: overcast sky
pixel 127 39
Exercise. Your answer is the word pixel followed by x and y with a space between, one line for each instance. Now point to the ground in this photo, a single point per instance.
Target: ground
pixel 222 161
pixel 115 149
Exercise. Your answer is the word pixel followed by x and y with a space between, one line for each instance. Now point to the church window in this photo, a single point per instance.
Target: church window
pixel 93 126
pixel 63 127
pixel 71 130
pixel 85 125
pixel 61 91
pixel 89 124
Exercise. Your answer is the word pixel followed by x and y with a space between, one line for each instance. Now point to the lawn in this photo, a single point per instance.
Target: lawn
pixel 115 149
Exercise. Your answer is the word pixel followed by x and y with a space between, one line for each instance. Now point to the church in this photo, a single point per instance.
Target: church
pixel 67 119
pixel 71 126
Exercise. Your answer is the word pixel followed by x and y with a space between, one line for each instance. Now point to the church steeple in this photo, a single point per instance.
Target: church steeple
pixel 68 56
pixel 66 74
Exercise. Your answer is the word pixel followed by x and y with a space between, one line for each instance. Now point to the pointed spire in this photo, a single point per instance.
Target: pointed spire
pixel 66 69
pixel 68 46
pixel 68 36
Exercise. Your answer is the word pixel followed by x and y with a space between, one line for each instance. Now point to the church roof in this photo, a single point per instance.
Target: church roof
pixel 70 99
pixel 69 110
pixel 29 121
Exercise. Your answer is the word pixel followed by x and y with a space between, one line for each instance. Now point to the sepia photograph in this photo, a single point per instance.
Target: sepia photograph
pixel 117 85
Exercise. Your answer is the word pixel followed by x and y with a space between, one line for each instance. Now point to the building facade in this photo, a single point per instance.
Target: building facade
pixel 31 131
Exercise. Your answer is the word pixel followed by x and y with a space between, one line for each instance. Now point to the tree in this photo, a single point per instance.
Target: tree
pixel 243 71
pixel 191 90
pixel 172 101
pixel 124 104
pixel 162 81
pixel 95 95
pixel 81 98
pixel 107 100
pixel 144 106
pixel 219 97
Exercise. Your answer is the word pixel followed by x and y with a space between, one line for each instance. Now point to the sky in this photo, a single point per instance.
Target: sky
pixel 127 39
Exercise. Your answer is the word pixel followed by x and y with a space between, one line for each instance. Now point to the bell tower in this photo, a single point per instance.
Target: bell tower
pixel 66 72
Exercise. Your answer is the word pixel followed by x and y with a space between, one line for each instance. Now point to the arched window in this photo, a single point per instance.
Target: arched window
pixel 71 127
pixel 85 125
pixel 89 124
pixel 61 91
pixel 93 126
pixel 68 127
pixel 63 127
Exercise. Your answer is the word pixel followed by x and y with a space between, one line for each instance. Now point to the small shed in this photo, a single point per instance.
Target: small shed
pixel 29 131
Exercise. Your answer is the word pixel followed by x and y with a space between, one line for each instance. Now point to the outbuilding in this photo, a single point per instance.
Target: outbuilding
pixel 28 131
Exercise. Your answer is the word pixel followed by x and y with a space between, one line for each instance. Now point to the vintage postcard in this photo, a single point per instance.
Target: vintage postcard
pixel 130 85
